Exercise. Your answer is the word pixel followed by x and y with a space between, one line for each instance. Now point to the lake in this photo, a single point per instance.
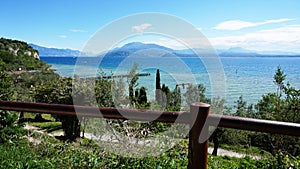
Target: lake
pixel 250 77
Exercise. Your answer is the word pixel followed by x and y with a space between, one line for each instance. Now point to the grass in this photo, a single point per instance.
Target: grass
pixel 31 116
pixel 47 126
pixel 85 153
pixel 23 154
pixel 56 154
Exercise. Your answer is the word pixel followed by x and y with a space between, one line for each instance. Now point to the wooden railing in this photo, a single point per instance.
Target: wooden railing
pixel 198 118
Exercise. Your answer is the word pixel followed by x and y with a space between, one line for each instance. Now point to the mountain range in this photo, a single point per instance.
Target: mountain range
pixel 44 51
pixel 143 49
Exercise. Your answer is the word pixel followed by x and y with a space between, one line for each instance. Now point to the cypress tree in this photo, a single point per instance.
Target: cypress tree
pixel 158 88
pixel 158 79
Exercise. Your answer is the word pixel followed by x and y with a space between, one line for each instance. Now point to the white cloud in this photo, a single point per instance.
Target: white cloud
pixel 198 28
pixel 63 36
pixel 141 28
pixel 78 30
pixel 238 24
pixel 285 38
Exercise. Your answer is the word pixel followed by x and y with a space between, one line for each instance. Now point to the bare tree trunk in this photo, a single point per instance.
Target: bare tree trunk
pixel 216 145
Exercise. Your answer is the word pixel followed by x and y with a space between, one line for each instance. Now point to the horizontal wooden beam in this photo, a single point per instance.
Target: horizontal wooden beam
pixel 268 126
pixel 251 124
pixel 96 112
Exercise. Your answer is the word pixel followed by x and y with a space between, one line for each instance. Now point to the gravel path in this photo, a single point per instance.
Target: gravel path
pixel 223 152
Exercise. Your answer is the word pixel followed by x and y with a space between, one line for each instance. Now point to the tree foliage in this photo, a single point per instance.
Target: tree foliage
pixel 158 92
pixel 6 83
pixel 8 126
pixel 59 92
pixel 103 92
pixel 243 109
pixel 284 105
pixel 132 79
pixel 142 96
pixel 119 96
pixel 281 105
pixel 195 93
pixel 19 55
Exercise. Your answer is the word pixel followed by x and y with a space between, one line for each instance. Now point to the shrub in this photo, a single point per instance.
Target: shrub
pixel 8 127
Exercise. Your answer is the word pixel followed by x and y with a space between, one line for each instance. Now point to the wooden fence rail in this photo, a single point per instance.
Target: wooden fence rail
pixel 199 120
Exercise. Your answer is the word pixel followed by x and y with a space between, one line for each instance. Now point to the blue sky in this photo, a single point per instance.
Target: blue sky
pixel 272 25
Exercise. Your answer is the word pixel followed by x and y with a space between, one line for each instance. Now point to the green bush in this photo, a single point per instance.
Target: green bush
pixel 8 127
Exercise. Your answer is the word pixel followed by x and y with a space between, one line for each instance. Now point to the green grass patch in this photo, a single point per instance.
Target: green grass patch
pixel 56 154
pixel 47 126
pixel 42 137
pixel 31 116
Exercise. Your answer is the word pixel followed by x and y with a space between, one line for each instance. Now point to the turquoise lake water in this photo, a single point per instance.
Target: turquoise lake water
pixel 250 77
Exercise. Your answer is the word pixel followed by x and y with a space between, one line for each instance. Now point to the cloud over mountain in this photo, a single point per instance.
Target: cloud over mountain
pixel 238 24
pixel 141 28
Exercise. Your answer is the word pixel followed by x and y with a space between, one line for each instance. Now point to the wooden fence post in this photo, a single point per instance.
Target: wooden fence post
pixel 198 151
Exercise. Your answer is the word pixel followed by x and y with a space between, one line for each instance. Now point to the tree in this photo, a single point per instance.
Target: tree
pixel 174 104
pixel 132 79
pixel 164 95
pixel 165 98
pixel 8 127
pixel 6 83
pixel 60 92
pixel 217 107
pixel 195 93
pixel 157 82
pixel 282 105
pixel 119 93
pixel 279 78
pixel 142 98
pixel 242 109
pixel 103 91
pixel 292 103
pixel 158 93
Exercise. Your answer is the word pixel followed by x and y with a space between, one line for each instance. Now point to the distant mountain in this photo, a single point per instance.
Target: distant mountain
pixel 136 46
pixel 44 51
pixel 142 49
pixel 149 50
pixel 238 52
pixel 139 49
pixel 278 53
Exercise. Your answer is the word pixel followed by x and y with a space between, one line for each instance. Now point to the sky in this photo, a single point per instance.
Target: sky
pixel 272 25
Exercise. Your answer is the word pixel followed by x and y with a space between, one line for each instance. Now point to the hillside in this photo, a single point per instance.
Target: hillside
pixel 18 55
pixel 18 48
